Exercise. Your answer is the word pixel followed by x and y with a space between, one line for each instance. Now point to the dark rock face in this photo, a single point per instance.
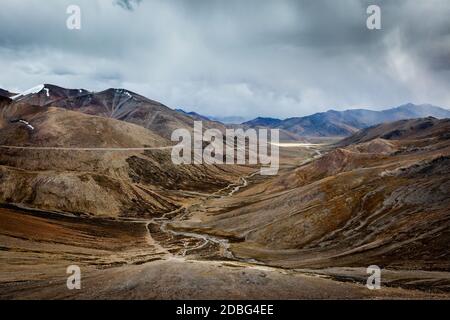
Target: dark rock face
pixel 5 93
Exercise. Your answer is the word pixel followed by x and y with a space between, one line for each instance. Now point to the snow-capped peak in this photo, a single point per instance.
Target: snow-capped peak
pixel 124 91
pixel 36 89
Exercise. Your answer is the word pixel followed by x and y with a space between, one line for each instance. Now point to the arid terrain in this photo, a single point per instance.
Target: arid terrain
pixel 86 179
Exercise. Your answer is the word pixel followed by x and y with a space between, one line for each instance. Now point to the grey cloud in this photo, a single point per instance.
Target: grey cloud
pixel 272 58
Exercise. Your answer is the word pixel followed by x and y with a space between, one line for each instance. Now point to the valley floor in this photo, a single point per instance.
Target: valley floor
pixel 177 278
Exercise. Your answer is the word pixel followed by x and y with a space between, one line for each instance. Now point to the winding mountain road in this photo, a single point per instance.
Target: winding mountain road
pixel 186 236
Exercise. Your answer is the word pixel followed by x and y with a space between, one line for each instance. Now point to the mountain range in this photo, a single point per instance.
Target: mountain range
pixel 119 104
pixel 345 123
pixel 125 105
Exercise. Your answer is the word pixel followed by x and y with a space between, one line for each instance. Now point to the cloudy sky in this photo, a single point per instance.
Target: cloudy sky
pixel 236 57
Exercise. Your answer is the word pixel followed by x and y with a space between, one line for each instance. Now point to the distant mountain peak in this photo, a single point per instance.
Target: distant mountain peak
pixel 32 90
pixel 194 115
pixel 263 122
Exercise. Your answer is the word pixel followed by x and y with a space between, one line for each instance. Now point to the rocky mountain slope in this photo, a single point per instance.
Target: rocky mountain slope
pixel 5 93
pixel 412 129
pixel 379 199
pixel 119 104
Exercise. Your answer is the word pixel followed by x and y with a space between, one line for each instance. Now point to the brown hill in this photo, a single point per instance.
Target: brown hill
pixel 402 130
pixel 119 104
pixel 59 160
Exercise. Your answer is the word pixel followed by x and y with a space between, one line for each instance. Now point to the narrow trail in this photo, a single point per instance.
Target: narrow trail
pixel 85 149
pixel 195 241
pixel 243 182
pixel 191 241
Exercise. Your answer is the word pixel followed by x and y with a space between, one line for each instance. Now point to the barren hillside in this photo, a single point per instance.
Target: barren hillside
pixel 59 160
pixel 376 201
pixel 120 104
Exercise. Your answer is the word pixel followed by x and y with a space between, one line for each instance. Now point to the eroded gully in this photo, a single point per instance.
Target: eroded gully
pixel 193 241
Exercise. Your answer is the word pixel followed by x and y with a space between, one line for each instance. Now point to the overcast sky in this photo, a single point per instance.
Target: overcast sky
pixel 245 57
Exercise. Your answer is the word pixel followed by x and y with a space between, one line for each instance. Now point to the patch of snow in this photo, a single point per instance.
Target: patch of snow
pixel 47 91
pixel 124 92
pixel 36 89
pixel 27 124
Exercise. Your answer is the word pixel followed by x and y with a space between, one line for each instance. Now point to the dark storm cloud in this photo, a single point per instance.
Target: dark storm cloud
pixel 240 57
